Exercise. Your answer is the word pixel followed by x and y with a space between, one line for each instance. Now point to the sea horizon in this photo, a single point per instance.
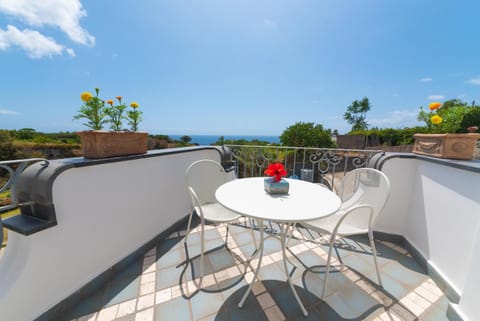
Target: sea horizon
pixel 210 139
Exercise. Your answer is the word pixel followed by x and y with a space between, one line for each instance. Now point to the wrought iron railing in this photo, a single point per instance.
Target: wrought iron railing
pixel 320 165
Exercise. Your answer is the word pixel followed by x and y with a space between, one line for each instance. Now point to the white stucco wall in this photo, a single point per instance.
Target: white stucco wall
pixel 444 218
pixel 437 209
pixel 393 218
pixel 468 306
pixel 104 213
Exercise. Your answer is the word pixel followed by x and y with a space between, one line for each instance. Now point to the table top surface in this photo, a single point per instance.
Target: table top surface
pixel 305 201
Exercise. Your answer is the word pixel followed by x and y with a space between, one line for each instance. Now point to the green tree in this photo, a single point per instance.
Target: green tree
pixel 7 150
pixel 454 102
pixel 471 118
pixel 356 114
pixel 306 135
pixel 222 141
pixel 25 133
pixel 186 139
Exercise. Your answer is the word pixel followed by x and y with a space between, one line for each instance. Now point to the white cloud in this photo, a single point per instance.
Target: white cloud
pixel 395 119
pixel 270 23
pixel 426 79
pixel 34 43
pixel 8 112
pixel 474 81
pixel 436 97
pixel 64 14
pixel 71 52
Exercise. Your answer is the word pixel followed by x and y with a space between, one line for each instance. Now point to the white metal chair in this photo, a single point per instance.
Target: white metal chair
pixel 203 177
pixel 364 192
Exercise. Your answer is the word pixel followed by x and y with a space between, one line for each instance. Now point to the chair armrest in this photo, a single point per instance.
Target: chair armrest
pixel 351 211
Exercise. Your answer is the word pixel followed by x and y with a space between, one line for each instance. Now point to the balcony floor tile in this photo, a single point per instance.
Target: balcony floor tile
pixel 168 289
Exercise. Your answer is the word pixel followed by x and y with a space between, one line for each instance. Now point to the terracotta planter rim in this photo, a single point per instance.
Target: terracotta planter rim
pixel 472 135
pixel 448 145
pixel 103 144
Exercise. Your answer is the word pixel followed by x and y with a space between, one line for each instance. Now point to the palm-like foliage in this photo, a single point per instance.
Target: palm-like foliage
pixel 356 114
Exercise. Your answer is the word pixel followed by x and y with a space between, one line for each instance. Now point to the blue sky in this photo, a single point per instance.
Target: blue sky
pixel 231 67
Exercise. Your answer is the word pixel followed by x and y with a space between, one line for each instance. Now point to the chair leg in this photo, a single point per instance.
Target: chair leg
pixel 374 252
pixel 202 251
pixel 226 234
pixel 188 226
pixel 329 259
pixel 290 233
pixel 253 233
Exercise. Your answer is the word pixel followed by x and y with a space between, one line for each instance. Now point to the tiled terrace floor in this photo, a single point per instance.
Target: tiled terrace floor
pixel 160 287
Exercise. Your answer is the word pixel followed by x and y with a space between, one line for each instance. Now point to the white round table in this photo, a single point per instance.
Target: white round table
pixel 305 201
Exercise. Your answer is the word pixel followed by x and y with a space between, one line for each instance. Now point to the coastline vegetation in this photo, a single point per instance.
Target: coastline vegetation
pixel 28 143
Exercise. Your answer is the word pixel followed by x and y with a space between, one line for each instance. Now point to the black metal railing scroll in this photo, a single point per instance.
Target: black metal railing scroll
pixel 319 165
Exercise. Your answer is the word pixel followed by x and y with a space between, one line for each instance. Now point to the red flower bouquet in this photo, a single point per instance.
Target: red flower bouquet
pixel 275 184
pixel 276 171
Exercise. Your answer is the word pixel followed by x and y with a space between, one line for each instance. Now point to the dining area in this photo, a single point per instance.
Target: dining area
pixel 307 254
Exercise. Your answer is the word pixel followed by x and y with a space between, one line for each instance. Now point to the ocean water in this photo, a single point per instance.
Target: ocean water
pixel 210 139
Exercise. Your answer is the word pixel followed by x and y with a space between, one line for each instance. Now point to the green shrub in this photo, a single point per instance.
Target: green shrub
pixel 471 118
pixel 392 136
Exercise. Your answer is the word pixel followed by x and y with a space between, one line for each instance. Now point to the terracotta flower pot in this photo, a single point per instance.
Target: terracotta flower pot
pixel 103 144
pixel 454 146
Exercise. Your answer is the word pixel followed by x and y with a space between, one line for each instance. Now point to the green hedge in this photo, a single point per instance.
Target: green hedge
pixel 393 136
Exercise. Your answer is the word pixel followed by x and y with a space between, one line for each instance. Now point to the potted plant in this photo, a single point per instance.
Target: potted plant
pixel 275 184
pixel 98 143
pixel 446 139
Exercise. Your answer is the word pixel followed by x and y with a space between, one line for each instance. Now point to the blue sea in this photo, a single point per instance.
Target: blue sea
pixel 210 139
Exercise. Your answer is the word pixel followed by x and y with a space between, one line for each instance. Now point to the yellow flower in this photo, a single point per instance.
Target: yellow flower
pixel 436 119
pixel 110 102
pixel 434 106
pixel 134 105
pixel 86 96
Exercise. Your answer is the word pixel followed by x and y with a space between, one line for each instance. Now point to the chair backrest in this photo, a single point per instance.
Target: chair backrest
pixel 204 177
pixel 364 186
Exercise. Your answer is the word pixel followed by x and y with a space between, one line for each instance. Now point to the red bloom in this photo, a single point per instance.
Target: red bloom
pixel 276 170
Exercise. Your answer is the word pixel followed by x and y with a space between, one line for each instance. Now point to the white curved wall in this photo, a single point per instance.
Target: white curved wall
pixel 468 306
pixel 437 209
pixel 104 213
pixel 400 172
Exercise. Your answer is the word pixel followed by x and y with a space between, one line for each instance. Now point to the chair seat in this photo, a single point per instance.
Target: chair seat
pixel 217 213
pixel 327 226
